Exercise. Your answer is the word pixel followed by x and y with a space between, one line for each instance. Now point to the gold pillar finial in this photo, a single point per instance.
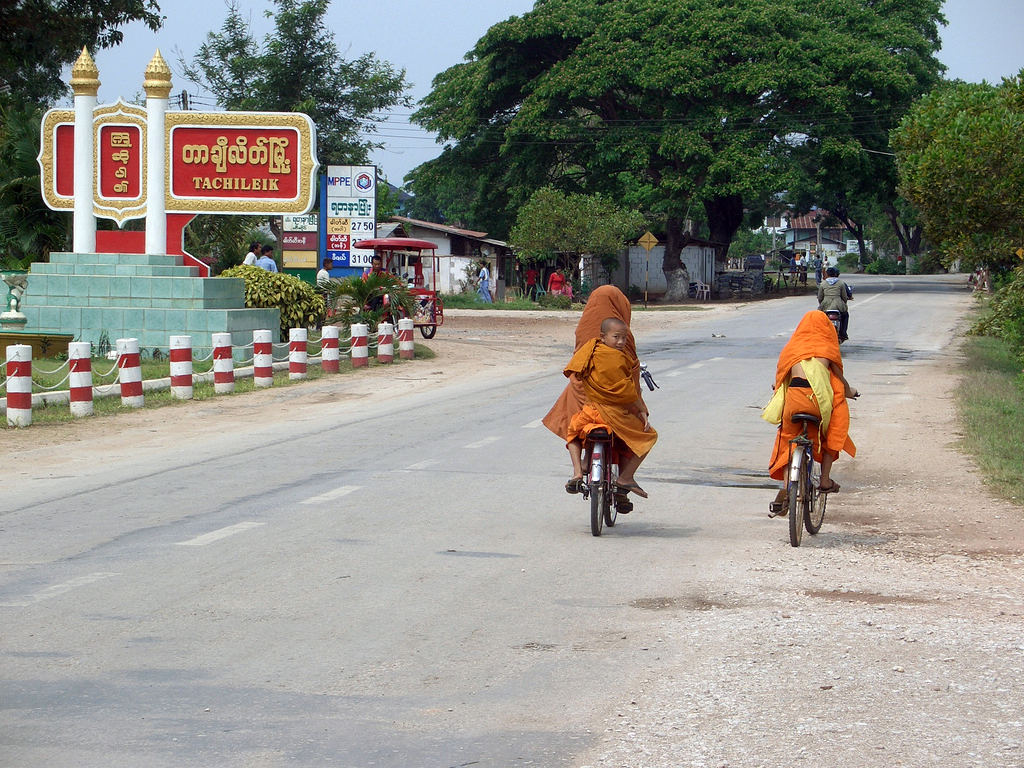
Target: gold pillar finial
pixel 158 78
pixel 85 77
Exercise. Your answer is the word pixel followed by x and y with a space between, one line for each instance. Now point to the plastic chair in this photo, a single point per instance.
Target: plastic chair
pixel 703 291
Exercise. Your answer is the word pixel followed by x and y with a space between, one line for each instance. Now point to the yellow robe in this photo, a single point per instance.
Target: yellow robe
pixel 606 376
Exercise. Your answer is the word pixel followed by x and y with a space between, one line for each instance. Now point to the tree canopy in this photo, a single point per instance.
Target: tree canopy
pixel 686 109
pixel 38 38
pixel 960 163
pixel 298 68
pixel 552 222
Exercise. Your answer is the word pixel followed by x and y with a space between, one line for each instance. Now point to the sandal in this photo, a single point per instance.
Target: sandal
pixel 632 488
pixel 574 486
pixel 831 489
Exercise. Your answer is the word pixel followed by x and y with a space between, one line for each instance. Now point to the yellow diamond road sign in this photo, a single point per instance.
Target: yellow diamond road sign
pixel 648 241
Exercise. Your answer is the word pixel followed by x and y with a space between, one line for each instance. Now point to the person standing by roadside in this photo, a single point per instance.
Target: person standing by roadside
pixel 485 284
pixel 833 294
pixel 817 270
pixel 531 282
pixel 252 255
pixel 266 261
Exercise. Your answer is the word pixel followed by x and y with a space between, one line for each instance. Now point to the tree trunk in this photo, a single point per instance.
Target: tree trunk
pixel 725 215
pixel 677 278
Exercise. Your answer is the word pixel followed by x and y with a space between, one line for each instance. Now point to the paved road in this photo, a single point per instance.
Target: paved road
pixel 402 586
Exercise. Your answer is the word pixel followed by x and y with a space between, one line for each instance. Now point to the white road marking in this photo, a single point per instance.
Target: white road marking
pixel 673 374
pixel 422 464
pixel 223 533
pixel 533 424
pixel 337 493
pixel 58 589
pixel 482 443
pixel 695 365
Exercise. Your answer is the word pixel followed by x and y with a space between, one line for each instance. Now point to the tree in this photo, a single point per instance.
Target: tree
pixel 573 225
pixel 38 38
pixel 960 164
pixel 298 68
pixel 686 109
pixel 29 230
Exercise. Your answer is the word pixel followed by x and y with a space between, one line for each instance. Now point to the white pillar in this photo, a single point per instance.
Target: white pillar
pixel 80 378
pixel 158 88
pixel 85 84
pixel 19 385
pixel 181 367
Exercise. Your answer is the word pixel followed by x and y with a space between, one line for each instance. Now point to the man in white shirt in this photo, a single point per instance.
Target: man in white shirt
pixel 252 255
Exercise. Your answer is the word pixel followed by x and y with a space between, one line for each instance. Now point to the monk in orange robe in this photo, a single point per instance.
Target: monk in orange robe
pixel 809 379
pixel 604 302
pixel 613 402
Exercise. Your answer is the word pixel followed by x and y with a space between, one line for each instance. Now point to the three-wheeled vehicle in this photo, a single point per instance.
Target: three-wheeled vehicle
pixel 417 262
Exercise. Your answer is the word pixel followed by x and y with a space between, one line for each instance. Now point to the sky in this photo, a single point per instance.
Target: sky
pixel 982 41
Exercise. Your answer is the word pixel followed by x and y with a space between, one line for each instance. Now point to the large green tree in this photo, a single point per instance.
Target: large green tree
pixel 960 163
pixel 298 68
pixel 573 225
pixel 28 229
pixel 38 38
pixel 687 109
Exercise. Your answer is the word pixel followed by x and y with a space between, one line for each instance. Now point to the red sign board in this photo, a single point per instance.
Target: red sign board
pixel 65 165
pixel 120 162
pixel 338 242
pixel 221 163
pixel 299 241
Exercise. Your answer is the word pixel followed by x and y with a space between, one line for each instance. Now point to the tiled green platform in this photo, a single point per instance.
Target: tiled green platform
pixel 150 298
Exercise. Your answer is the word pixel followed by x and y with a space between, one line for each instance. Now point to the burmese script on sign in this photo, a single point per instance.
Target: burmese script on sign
pixel 234 163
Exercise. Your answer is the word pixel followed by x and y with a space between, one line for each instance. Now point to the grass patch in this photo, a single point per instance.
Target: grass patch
pixel 473 301
pixel 60 413
pixel 991 400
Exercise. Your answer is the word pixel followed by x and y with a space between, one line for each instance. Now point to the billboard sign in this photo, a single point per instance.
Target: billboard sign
pixel 240 162
pixel 351 210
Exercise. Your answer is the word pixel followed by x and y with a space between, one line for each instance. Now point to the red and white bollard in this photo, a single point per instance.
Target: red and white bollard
pixel 181 367
pixel 131 373
pixel 263 358
pixel 330 357
pixel 223 364
pixel 406 346
pixel 19 385
pixel 385 343
pixel 360 345
pixel 297 353
pixel 80 379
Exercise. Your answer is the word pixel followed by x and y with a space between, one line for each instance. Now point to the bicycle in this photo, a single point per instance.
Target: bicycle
pixel 806 502
pixel 600 489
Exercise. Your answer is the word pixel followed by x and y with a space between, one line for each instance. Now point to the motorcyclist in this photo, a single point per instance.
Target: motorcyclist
pixel 834 293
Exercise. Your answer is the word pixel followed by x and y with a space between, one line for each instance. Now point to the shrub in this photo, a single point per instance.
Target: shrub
pixel 555 302
pixel 1005 317
pixel 884 266
pixel 301 306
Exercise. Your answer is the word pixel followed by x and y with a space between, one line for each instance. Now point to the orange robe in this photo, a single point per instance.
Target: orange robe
pixel 605 301
pixel 815 336
pixel 605 374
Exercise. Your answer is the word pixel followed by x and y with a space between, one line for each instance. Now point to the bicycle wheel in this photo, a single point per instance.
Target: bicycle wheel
pixel 611 511
pixel 814 513
pixel 598 502
pixel 797 492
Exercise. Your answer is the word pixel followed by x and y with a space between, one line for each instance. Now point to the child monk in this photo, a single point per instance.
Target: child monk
pixel 613 402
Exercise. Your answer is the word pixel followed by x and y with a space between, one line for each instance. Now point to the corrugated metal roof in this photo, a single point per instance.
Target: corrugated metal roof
pixel 440 227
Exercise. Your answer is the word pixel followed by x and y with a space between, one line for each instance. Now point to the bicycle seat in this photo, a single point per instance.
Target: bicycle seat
pixel 810 418
pixel 599 434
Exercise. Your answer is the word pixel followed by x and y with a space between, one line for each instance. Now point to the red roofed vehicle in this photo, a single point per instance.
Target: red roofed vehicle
pixel 417 262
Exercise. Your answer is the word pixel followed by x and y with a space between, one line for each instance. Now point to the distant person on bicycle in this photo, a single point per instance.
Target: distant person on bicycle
pixel 833 293
pixel 604 302
pixel 613 403
pixel 809 379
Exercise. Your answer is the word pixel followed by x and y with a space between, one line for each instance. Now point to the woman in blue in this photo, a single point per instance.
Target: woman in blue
pixel 485 284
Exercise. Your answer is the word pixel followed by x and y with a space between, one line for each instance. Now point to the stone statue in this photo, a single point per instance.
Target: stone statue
pixel 17 284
